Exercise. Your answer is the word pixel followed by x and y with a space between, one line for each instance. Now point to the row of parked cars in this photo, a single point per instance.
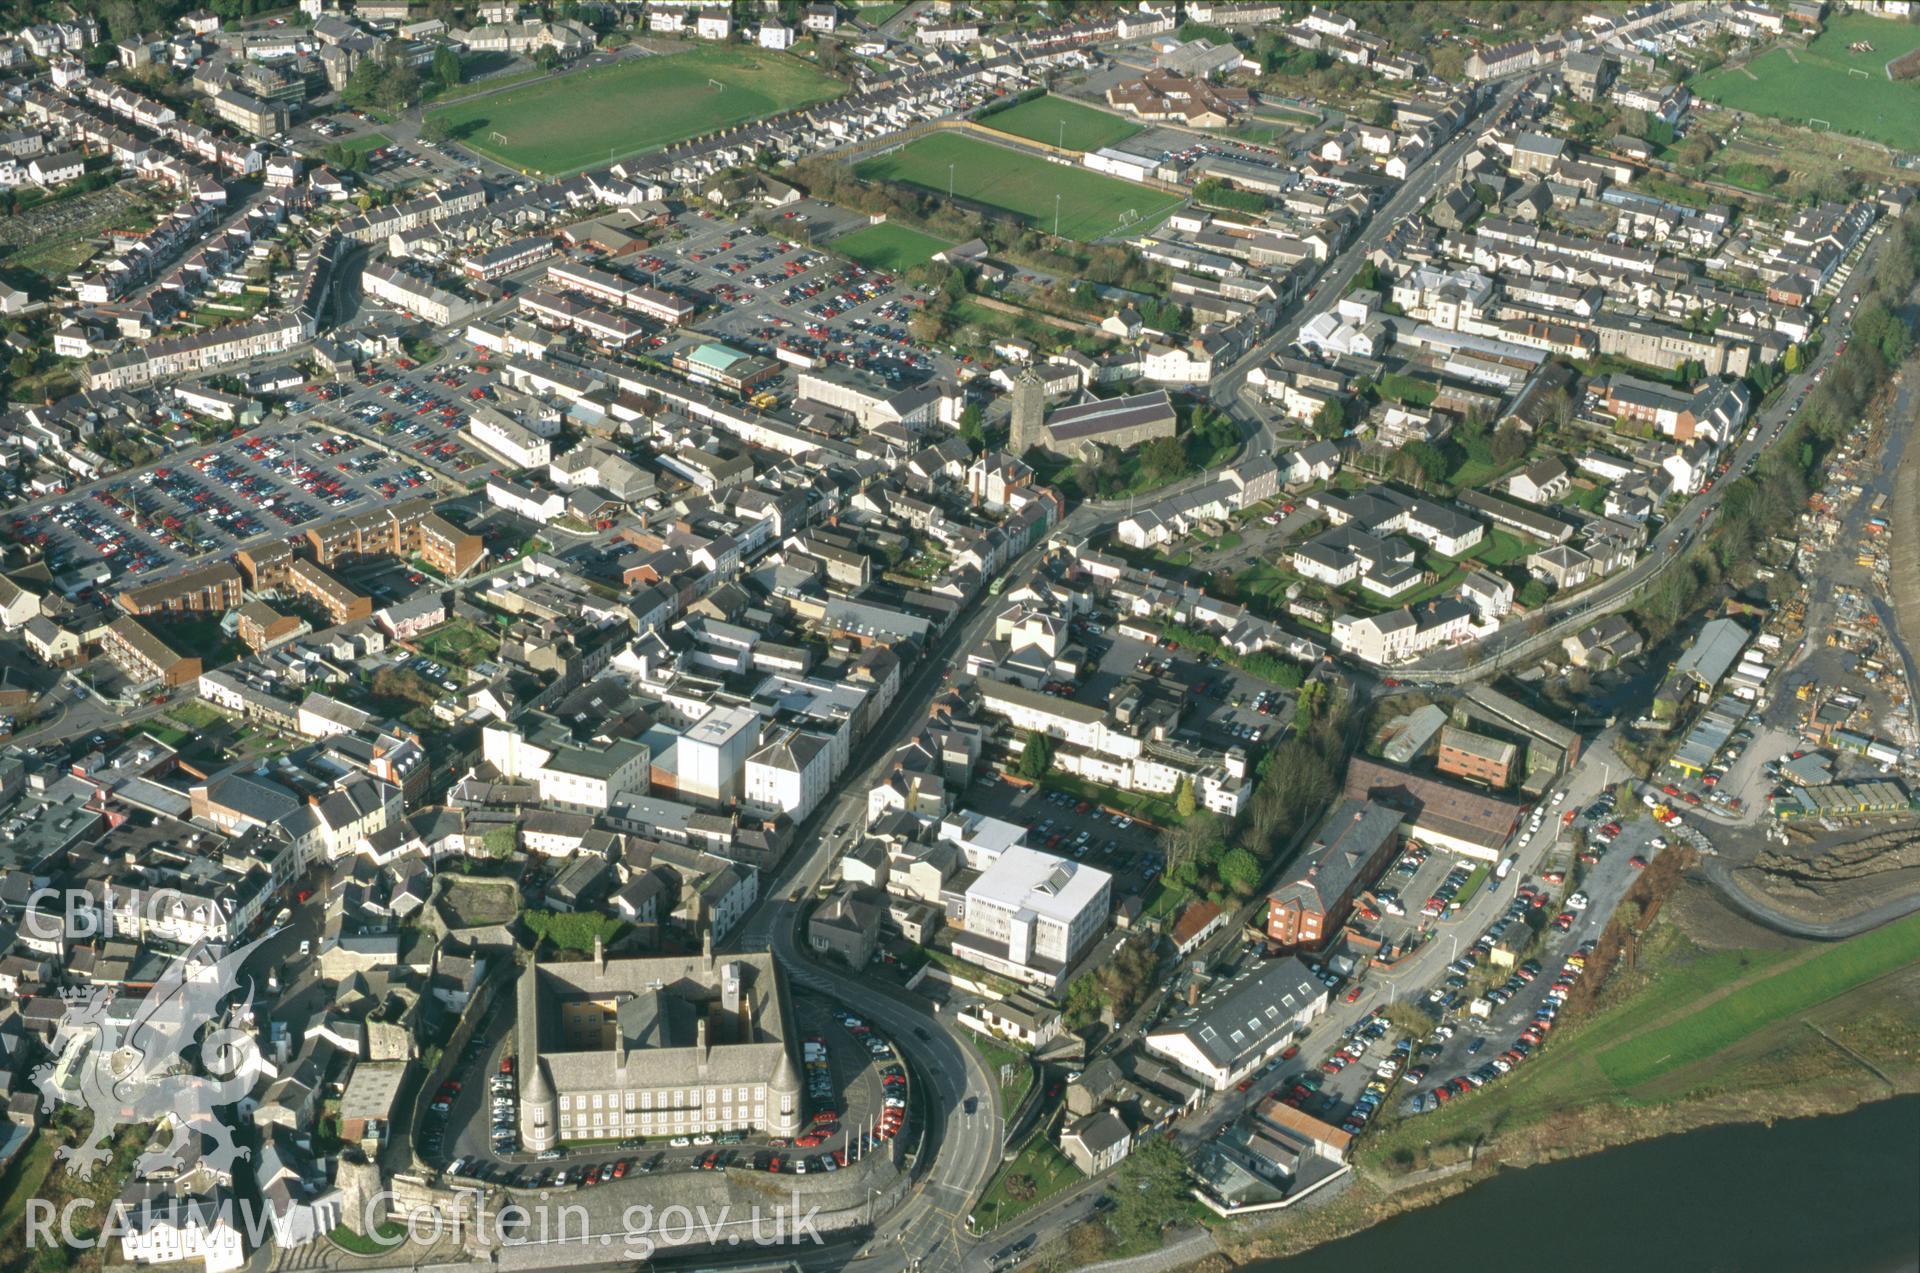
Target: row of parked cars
pixel 506 1109
pixel 1523 1045
pixel 893 1077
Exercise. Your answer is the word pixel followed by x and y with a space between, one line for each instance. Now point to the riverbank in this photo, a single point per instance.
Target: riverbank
pixel 1369 1200
pixel 1707 1020
pixel 1687 1201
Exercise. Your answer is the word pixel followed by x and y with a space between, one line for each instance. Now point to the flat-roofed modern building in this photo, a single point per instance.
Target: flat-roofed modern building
pixel 1030 915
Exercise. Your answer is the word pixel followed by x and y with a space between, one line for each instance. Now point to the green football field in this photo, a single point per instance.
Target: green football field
pixel 1059 122
pixel 1828 85
pixel 1090 205
pixel 596 116
pixel 889 247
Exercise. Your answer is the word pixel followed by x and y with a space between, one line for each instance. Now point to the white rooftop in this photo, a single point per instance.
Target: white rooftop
pixel 1049 887
pixel 981 838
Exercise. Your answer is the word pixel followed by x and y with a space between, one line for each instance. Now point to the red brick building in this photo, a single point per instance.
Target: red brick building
pixel 1349 850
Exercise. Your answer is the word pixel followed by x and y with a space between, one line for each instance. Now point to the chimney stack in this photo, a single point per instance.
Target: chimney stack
pixel 599 953
pixel 1193 993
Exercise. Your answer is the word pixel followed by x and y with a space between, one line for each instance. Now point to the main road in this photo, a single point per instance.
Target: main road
pixel 929 1228
pixel 1229 390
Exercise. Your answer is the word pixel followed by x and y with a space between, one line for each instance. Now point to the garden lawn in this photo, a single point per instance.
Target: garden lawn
pixel 1091 206
pixel 596 116
pixel 23 1178
pixel 1141 806
pixel 889 247
pixel 1726 1021
pixel 461 642
pixel 1822 82
pixel 1039 1162
pixel 1060 122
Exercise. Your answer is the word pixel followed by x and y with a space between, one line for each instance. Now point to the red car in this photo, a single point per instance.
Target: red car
pixel 1636 861
pixel 1292 1051
pixel 1353 995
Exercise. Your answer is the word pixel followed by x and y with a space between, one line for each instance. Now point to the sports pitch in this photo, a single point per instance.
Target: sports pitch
pixel 1847 91
pixel 1059 122
pixel 596 116
pixel 889 247
pixel 1091 206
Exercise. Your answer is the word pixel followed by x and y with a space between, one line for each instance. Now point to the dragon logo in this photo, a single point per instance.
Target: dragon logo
pixel 162 1061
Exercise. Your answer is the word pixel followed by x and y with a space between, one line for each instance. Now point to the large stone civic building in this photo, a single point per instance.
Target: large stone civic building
pixel 658 1046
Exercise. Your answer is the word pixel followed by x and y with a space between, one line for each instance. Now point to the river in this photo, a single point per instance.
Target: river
pixel 1816 1195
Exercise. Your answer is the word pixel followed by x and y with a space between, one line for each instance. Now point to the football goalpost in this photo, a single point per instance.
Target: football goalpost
pixel 1854 70
pixel 716 85
pixel 1817 124
pixel 498 139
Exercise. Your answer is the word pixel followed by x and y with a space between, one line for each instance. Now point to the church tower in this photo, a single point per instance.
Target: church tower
pixel 1029 429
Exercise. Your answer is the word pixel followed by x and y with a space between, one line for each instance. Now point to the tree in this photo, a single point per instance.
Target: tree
pixel 1088 1242
pixel 1126 979
pixel 1331 421
pixel 1509 443
pixel 1239 871
pixel 446 67
pixel 1036 756
pixel 1190 837
pixel 1164 459
pixel 434 129
pixel 1084 1002
pixel 499 842
pixel 1427 459
pixel 1150 1191
pixel 1791 359
pixel 1183 801
pixel 402 685
pixel 972 426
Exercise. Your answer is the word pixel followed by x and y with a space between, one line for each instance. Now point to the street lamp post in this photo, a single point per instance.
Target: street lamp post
pixel 949 183
pixel 1056 214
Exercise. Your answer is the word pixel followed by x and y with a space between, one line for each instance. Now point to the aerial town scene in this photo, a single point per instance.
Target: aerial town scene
pixel 1098 636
